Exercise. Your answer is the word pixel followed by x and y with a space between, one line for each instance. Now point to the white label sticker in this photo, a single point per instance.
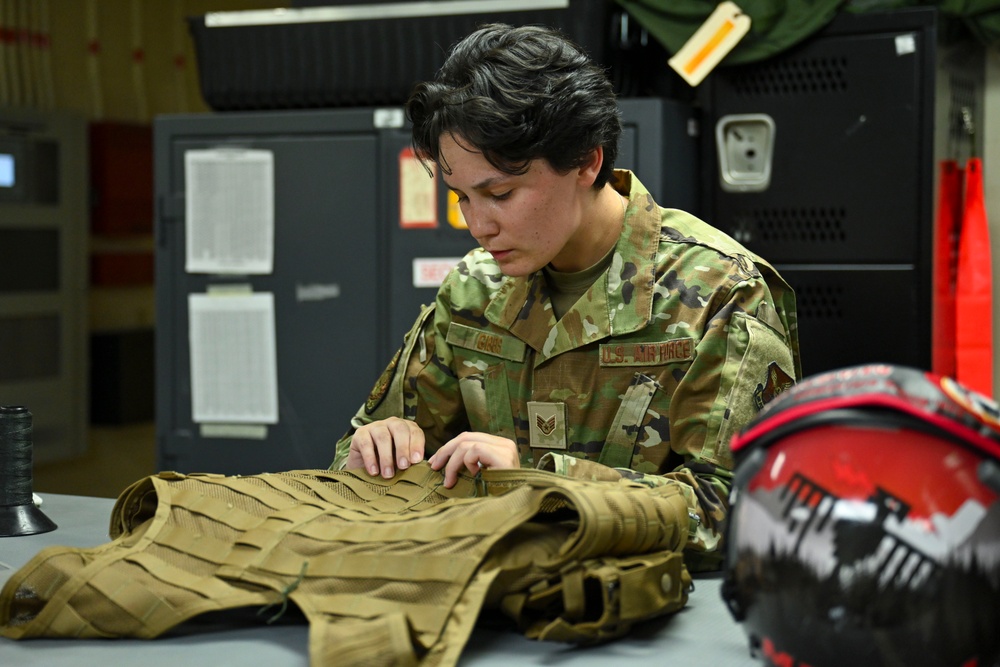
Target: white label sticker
pixel 905 44
pixel 236 431
pixel 392 117
pixel 431 272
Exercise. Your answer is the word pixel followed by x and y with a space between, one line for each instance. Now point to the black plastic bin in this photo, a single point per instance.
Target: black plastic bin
pixel 361 54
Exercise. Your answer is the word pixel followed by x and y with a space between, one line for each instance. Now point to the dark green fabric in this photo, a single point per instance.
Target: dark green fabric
pixel 777 25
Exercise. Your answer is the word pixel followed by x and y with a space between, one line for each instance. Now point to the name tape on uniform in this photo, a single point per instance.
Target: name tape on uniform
pixel 647 354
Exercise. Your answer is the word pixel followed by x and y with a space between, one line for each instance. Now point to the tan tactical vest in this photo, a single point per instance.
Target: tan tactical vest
pixel 387 572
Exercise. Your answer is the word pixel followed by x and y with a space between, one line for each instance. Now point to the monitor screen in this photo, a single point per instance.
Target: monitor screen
pixel 7 166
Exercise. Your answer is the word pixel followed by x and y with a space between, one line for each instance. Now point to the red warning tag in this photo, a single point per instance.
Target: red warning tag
pixel 417 192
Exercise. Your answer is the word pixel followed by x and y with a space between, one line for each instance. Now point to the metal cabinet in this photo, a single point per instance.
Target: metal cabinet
pixel 43 276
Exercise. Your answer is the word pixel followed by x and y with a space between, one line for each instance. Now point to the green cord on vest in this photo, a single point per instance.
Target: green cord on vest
pixel 481 491
pixel 288 590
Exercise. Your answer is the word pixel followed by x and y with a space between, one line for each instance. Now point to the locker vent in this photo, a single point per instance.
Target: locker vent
pixel 792 77
pixel 810 225
pixel 819 302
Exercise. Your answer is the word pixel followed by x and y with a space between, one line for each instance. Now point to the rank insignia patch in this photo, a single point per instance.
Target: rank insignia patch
pixel 548 425
pixel 777 382
pixel 381 387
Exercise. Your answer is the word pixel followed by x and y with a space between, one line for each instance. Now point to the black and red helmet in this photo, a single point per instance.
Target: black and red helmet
pixel 865 523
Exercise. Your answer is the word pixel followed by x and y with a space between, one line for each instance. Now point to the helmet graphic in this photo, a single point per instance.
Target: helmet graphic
pixel 865 523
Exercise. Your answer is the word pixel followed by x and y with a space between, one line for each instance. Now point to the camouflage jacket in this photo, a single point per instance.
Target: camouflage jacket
pixel 674 348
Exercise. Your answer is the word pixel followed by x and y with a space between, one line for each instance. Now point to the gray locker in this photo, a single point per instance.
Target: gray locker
pixel 847 215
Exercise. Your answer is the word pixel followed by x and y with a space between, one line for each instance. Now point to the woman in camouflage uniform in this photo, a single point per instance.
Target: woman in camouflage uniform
pixel 593 333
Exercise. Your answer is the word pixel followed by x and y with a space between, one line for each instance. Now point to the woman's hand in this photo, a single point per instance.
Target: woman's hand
pixel 473 451
pixel 384 445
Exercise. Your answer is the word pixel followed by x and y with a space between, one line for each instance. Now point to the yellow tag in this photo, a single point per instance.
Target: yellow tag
pixel 455 217
pixel 711 42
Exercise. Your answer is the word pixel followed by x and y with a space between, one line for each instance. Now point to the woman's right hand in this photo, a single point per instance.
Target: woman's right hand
pixel 384 446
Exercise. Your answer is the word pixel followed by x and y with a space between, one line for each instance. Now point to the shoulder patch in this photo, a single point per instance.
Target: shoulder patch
pixel 776 382
pixel 381 387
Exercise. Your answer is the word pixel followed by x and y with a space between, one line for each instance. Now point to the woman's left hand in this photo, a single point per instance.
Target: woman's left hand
pixel 473 451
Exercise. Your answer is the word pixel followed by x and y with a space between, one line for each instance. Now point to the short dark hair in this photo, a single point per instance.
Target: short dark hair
pixel 518 94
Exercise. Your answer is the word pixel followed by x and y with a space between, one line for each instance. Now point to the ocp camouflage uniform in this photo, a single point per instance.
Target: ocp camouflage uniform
pixel 674 348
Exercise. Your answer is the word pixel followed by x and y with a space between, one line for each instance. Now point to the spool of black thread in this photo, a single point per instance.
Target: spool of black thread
pixel 18 514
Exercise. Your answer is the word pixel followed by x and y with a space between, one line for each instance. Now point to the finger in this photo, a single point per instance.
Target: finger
pixel 363 447
pixel 463 457
pixel 499 453
pixel 455 463
pixel 409 442
pixel 384 445
pixel 444 453
pixel 473 459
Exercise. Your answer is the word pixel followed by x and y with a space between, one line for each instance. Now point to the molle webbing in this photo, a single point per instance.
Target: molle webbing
pixel 387 572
